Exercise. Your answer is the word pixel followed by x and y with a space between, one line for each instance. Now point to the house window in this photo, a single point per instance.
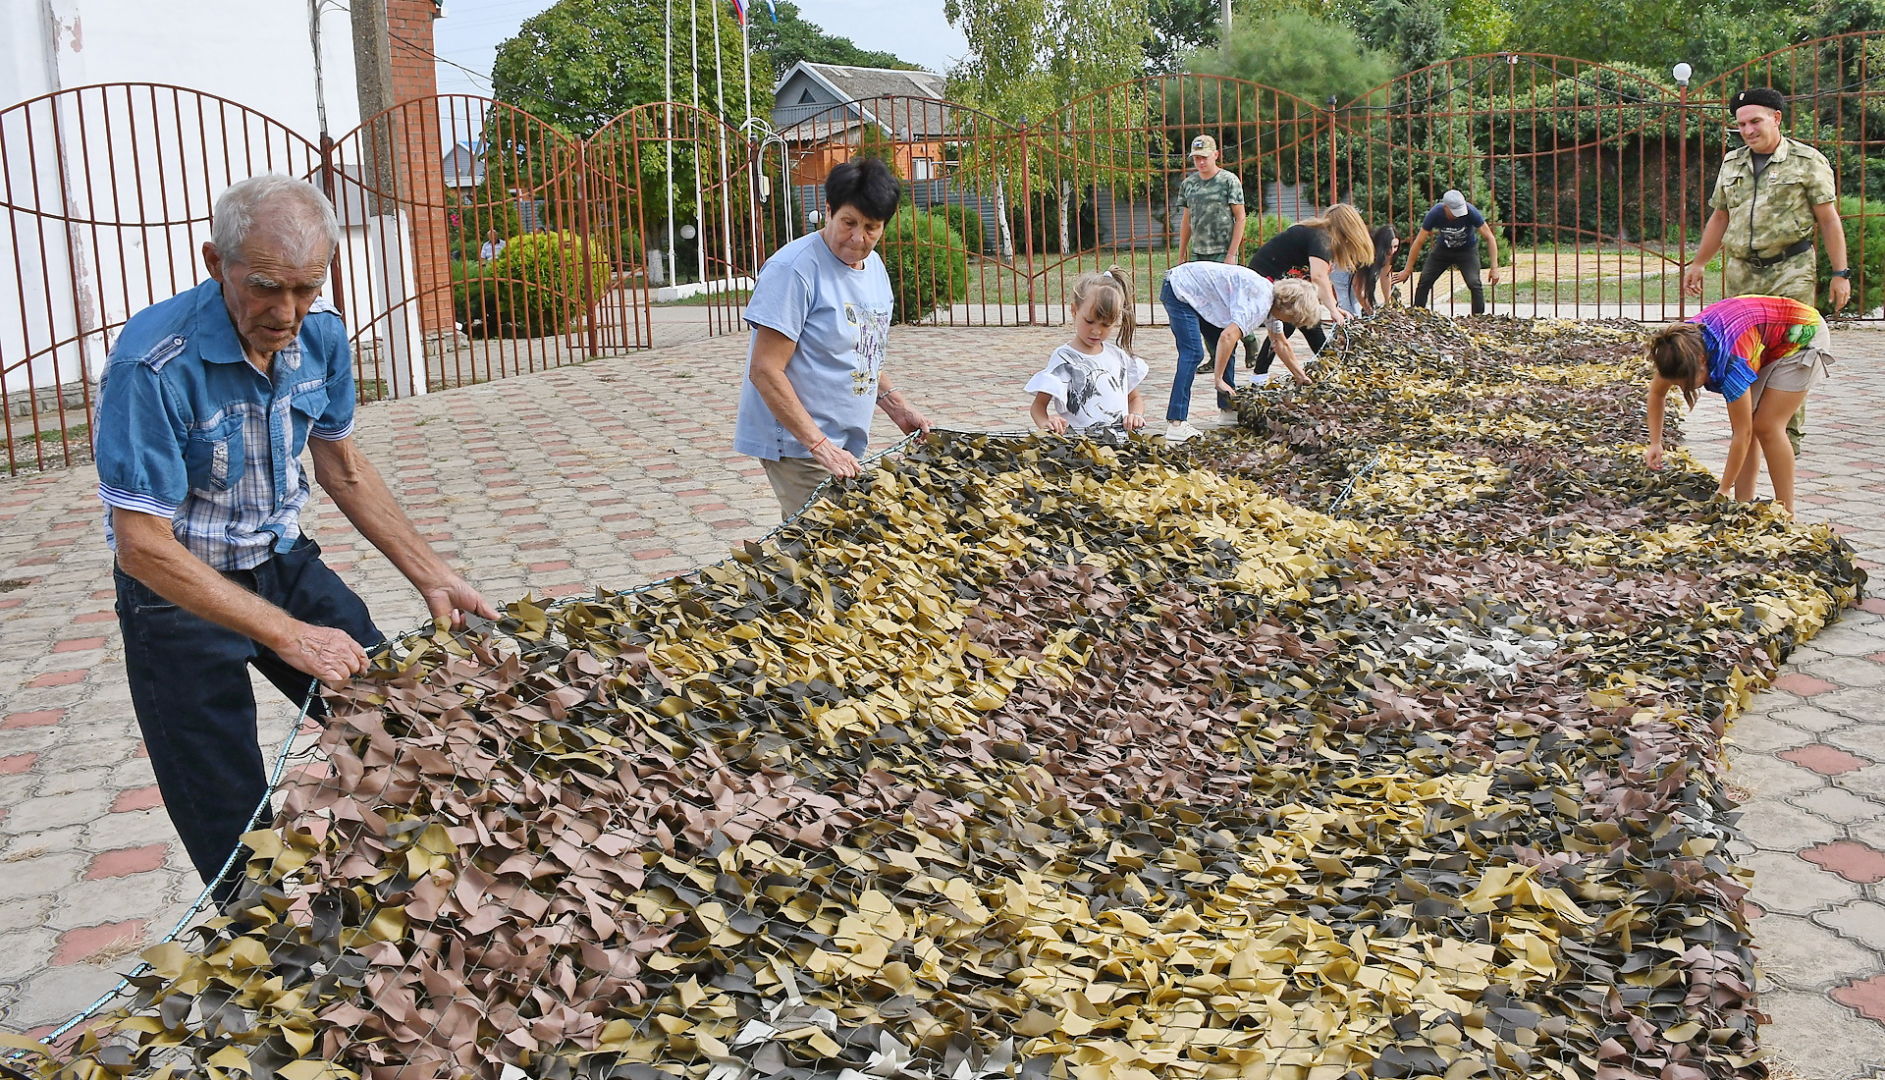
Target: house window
pixel 806 98
pixel 922 168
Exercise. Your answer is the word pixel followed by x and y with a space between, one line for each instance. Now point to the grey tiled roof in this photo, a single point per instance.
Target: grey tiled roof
pixel 886 93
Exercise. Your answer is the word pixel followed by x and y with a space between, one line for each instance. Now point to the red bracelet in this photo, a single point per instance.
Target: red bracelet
pixel 819 443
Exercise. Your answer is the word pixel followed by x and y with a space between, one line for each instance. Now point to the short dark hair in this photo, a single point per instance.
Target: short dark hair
pixel 867 184
pixel 1765 96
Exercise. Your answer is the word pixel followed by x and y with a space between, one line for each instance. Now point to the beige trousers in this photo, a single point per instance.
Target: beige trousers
pixel 793 481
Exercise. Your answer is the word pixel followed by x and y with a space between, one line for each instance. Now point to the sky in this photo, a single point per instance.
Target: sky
pixel 470 32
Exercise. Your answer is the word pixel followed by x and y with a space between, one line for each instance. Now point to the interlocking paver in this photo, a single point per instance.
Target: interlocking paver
pixel 1853 860
pixel 1825 760
pixel 618 471
pixel 1840 806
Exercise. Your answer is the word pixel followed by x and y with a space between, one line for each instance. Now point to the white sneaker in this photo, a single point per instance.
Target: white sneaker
pixel 1179 431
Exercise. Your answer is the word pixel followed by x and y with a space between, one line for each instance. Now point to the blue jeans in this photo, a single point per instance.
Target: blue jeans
pixel 190 688
pixel 1194 336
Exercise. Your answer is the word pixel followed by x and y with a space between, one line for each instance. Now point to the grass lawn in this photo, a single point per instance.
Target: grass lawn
pixel 995 281
pixel 724 296
pixel 27 447
pixel 1540 275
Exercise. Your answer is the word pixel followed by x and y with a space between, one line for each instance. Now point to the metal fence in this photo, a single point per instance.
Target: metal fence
pixel 1595 177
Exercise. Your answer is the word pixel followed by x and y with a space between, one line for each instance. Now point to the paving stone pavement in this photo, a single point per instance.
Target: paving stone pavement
pixel 618 472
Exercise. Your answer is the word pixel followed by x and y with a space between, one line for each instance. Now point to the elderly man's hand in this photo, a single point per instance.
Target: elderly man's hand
pixel 1692 279
pixel 1841 292
pixel 454 599
pixel 323 652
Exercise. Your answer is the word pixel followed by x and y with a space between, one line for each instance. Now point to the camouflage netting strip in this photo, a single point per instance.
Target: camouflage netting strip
pixel 1045 757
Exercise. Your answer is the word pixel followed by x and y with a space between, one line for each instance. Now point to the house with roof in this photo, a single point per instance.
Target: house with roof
pixel 823 110
pixel 463 165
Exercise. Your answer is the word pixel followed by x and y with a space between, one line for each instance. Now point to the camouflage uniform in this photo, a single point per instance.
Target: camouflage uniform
pixel 1209 202
pixel 1766 215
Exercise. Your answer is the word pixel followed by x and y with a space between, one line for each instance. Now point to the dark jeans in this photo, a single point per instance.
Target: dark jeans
pixel 1194 336
pixel 1439 260
pixel 194 702
pixel 1315 336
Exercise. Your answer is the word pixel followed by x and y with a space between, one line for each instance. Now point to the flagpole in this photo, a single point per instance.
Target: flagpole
pixel 668 143
pixel 693 42
pixel 746 61
pixel 726 178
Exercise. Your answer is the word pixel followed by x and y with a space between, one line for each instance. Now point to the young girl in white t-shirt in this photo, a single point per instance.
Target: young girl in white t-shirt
pixel 1090 382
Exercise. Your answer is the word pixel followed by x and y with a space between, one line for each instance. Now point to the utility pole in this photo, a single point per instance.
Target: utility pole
pixel 1224 17
pixel 373 80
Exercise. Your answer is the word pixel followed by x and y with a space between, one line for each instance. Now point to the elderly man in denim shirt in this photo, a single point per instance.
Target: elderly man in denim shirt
pixel 207 401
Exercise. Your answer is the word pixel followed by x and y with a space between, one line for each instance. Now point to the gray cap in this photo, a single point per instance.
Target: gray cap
pixel 1454 201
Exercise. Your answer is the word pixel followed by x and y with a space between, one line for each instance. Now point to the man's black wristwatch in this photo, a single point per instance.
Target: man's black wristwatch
pixel 1846 273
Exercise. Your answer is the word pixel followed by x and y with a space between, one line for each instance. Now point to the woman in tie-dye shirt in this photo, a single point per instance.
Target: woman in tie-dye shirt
pixel 1761 354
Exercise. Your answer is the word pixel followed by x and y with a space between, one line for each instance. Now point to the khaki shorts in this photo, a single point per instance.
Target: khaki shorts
pixel 793 481
pixel 1793 374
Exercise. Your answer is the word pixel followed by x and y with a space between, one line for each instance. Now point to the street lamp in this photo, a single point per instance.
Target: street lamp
pixel 1682 74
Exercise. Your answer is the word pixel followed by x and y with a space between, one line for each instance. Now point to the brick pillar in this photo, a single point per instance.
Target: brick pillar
pixel 422 178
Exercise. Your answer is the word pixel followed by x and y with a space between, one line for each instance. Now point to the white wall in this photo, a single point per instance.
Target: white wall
pixel 257 52
pixel 156 160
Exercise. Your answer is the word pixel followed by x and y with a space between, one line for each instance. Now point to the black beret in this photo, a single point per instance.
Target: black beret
pixel 1758 95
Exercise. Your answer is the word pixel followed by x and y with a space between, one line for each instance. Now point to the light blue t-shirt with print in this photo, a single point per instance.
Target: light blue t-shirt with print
pixel 840 318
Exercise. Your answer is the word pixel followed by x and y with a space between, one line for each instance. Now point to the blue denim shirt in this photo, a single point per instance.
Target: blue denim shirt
pixel 187 429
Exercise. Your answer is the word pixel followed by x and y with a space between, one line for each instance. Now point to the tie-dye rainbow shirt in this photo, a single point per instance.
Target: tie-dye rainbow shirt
pixel 1744 332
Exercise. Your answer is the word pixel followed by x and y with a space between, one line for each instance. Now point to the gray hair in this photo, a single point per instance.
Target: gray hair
pixel 294 209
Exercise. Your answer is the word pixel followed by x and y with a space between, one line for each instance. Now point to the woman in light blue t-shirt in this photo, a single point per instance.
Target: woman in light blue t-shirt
pixel 820 314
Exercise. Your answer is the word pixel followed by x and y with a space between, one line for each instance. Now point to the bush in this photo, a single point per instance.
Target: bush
pixel 474 298
pixel 1083 226
pixel 542 285
pixel 967 223
pixel 1258 228
pixel 490 208
pixel 1865 247
pixel 928 266
pixel 535 288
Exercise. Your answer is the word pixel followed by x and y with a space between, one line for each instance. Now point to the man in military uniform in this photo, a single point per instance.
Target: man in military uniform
pixel 1770 195
pixel 1211 225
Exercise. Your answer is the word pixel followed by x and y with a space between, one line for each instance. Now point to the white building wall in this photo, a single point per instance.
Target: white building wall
pixel 124 180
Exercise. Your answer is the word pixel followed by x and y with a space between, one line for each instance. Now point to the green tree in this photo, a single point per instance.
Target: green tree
pixel 1059 65
pixel 1712 35
pixel 582 62
pixel 790 39
pixel 1415 32
pixel 1306 55
pixel 1178 29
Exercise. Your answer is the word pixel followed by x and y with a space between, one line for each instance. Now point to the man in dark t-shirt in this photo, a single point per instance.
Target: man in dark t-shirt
pixel 1456 226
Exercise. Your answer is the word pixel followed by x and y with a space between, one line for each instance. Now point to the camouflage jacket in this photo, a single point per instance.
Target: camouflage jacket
pixel 1766 213
pixel 1210 202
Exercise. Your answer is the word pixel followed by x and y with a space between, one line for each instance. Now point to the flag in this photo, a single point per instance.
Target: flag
pixel 739 10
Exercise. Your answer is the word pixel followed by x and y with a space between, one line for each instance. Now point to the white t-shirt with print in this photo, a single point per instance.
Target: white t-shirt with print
pixel 1089 391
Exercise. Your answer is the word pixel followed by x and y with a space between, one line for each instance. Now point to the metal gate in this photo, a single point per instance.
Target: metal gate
pixel 1596 177
pixel 108 192
pixel 676 180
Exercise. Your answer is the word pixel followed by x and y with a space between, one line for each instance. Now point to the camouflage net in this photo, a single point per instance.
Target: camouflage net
pixel 1051 758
